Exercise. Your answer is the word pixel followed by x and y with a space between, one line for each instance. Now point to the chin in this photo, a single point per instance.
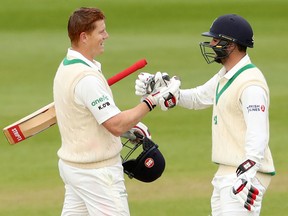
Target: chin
pixel 99 52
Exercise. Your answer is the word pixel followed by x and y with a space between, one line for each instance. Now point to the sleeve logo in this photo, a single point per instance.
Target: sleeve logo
pixel 256 108
pixel 99 100
pixel 102 102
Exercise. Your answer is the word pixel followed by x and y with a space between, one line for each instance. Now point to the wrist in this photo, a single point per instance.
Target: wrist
pixel 247 169
pixel 149 102
pixel 254 158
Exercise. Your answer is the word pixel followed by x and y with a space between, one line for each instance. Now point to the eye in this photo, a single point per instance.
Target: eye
pixel 214 41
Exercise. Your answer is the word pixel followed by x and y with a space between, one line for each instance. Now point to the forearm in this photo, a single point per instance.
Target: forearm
pixel 200 97
pixel 126 119
pixel 194 99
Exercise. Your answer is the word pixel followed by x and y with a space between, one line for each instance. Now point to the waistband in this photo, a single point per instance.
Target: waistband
pixel 263 178
pixel 95 165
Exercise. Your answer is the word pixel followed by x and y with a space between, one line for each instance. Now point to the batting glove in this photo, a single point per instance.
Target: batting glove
pixel 137 133
pixel 141 84
pixel 167 96
pixel 247 194
pixel 146 82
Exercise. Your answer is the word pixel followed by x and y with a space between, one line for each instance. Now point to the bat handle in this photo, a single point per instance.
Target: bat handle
pixel 136 66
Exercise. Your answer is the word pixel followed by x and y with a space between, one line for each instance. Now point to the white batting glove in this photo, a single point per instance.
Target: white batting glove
pixel 246 193
pixel 159 80
pixel 141 84
pixel 147 82
pixel 137 133
pixel 166 96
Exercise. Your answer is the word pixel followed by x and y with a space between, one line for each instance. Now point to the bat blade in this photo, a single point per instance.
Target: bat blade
pixel 45 117
pixel 31 124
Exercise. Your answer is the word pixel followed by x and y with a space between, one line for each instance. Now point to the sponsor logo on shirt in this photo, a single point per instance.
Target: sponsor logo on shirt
pixel 99 100
pixel 102 102
pixel 215 120
pixel 256 108
pixel 103 105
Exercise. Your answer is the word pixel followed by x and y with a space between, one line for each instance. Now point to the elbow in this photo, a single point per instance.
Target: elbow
pixel 114 129
pixel 115 125
pixel 116 132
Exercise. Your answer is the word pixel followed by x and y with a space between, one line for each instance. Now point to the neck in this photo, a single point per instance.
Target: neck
pixel 232 60
pixel 83 52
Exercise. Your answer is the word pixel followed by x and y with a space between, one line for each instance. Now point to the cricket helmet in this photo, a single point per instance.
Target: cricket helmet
pixel 148 165
pixel 227 28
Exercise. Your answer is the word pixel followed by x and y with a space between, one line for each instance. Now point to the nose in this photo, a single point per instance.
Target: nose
pixel 106 36
pixel 212 43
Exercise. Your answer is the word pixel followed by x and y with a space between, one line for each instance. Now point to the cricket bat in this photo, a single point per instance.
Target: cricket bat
pixel 45 117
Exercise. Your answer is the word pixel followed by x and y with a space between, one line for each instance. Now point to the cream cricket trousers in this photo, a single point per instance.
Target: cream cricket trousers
pixel 94 192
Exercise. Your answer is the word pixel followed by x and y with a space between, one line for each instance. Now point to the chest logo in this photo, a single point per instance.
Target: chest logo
pixel 215 120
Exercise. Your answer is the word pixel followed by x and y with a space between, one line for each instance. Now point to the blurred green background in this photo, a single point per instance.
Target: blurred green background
pixel 33 41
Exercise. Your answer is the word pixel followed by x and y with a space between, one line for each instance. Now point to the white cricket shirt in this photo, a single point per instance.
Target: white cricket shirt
pixel 257 135
pixel 89 90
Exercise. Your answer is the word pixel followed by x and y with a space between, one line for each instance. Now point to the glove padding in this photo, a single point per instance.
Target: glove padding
pixel 247 194
pixel 136 133
pixel 166 96
pixel 146 82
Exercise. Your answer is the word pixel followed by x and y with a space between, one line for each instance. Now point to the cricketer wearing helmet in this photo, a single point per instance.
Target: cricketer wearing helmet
pixel 239 95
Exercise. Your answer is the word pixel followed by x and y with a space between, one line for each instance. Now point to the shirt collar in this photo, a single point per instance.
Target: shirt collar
pixel 244 61
pixel 95 64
